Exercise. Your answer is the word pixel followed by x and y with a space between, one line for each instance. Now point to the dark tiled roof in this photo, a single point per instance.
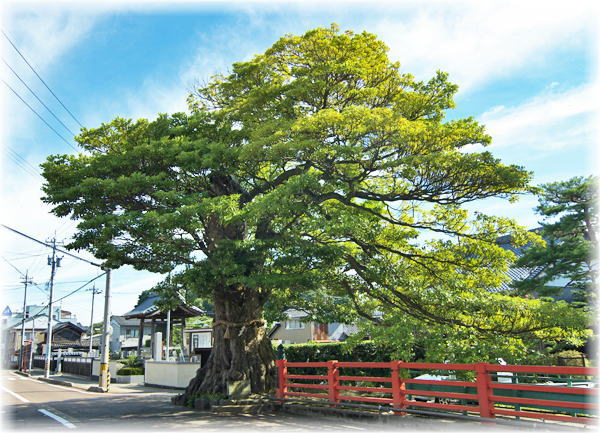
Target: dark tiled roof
pixel 122 321
pixel 62 325
pixel 275 327
pixel 147 309
pixel 517 273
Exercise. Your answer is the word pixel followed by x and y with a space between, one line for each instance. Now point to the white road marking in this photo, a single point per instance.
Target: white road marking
pixel 99 394
pixel 15 395
pixel 57 418
pixel 11 378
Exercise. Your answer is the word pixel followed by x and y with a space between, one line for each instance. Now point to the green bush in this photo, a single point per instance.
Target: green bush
pixel 570 358
pixel 319 352
pixel 130 371
pixel 322 352
pixel 132 361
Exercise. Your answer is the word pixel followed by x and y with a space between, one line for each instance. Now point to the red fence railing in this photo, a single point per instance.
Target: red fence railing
pixel 487 390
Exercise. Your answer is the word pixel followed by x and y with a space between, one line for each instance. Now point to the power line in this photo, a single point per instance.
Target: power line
pixel 50 246
pixel 23 275
pixel 28 257
pixel 41 118
pixel 38 75
pixel 13 266
pixel 19 161
pixel 36 97
pixel 66 296
pixel 23 160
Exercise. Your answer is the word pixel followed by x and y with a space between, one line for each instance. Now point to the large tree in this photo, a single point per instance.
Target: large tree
pixel 570 228
pixel 317 167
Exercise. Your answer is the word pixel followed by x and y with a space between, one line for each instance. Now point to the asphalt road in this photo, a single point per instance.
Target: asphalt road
pixel 32 405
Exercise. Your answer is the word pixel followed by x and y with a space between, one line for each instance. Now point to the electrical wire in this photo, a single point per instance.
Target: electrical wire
pixel 50 246
pixel 23 275
pixel 37 97
pixel 41 118
pixel 14 267
pixel 66 296
pixel 27 257
pixel 22 163
pixel 38 75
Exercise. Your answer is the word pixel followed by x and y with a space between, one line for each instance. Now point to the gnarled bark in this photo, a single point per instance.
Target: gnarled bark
pixel 241 349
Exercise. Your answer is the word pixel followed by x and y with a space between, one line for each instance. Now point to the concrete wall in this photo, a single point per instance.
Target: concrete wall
pixel 113 367
pixel 170 374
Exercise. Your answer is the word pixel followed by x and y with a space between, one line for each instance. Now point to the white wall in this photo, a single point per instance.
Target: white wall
pixel 113 367
pixel 172 374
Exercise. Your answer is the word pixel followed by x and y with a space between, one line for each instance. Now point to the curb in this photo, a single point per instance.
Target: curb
pixel 56 382
pixel 21 373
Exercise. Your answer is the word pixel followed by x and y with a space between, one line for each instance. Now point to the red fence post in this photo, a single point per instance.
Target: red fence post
pixel 282 375
pixel 484 391
pixel 333 381
pixel 398 387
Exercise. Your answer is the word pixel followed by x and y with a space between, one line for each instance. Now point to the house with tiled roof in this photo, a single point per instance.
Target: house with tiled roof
pixel 125 334
pixel 36 326
pixel 516 273
pixel 295 330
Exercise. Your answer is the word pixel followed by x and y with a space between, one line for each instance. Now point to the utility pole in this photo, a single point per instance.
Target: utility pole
pixel 94 292
pixel 26 281
pixel 104 379
pixel 32 342
pixel 54 262
pixel 168 348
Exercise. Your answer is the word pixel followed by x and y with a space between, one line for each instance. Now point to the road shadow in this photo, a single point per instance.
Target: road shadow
pixel 137 413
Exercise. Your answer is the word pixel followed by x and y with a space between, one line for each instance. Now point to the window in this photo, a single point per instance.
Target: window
pixel 294 324
pixel 130 333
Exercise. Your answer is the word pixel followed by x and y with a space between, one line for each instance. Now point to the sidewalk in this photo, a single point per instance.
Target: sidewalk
pixel 85 383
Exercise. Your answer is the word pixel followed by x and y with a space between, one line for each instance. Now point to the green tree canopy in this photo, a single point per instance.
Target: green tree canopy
pixel 570 229
pixel 317 167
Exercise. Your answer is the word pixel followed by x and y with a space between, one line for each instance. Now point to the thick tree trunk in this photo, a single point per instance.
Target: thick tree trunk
pixel 241 349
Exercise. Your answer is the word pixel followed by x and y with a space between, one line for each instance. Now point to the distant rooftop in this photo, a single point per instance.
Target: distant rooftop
pixel 517 273
pixel 147 309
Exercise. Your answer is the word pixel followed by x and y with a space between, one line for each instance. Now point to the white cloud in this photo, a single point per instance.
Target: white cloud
pixel 479 41
pixel 24 211
pixel 548 122
pixel 43 35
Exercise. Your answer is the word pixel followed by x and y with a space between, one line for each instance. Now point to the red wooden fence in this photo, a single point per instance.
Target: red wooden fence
pixel 489 395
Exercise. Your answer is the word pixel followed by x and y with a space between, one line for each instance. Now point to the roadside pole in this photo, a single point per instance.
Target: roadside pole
pixel 94 291
pixel 52 262
pixel 26 281
pixel 32 343
pixel 168 335
pixel 104 380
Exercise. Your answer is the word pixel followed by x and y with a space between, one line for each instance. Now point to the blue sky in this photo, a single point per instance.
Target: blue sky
pixel 527 70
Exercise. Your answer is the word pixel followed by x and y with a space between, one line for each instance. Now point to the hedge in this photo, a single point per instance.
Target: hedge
pixel 130 371
pixel 320 352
